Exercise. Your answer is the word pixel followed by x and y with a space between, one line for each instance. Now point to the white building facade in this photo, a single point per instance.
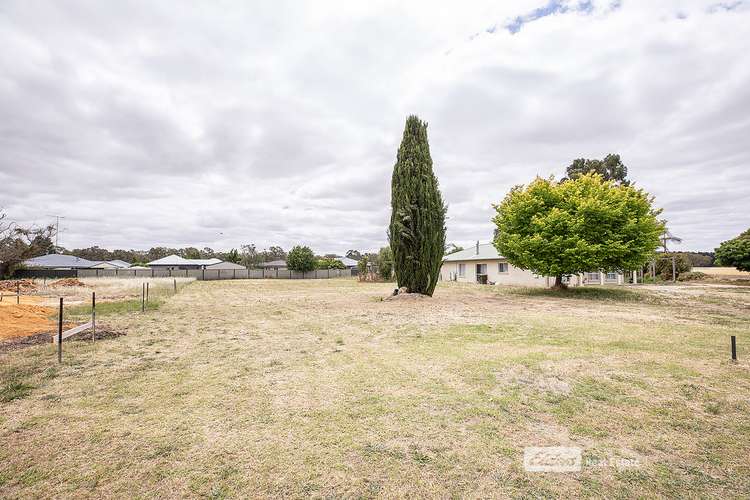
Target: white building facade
pixel 482 264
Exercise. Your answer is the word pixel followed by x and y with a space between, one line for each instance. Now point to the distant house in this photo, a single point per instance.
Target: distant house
pixel 226 266
pixel 61 261
pixel 176 262
pixel 277 265
pixel 58 261
pixel 348 263
pixel 482 264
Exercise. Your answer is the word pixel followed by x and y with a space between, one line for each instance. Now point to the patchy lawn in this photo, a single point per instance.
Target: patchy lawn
pixel 320 388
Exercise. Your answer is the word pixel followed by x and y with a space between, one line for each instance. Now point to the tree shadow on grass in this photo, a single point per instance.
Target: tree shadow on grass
pixel 602 294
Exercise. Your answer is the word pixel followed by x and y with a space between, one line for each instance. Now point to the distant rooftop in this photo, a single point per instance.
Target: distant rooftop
pixel 273 263
pixel 55 260
pixel 347 261
pixel 119 263
pixel 487 251
pixel 176 260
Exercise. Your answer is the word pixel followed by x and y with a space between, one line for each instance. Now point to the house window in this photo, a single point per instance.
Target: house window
pixel 481 269
pixel 462 270
pixel 593 276
pixel 502 267
pixel 611 276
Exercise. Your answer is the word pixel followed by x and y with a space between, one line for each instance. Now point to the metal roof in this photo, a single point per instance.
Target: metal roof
pixel 487 251
pixel 176 260
pixel 347 261
pixel 55 260
pixel 226 266
pixel 119 263
pixel 273 263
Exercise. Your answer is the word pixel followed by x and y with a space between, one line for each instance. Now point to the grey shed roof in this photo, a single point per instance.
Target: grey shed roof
pixel 119 263
pixel 487 251
pixel 54 260
pixel 273 263
pixel 176 260
pixel 225 266
pixel 347 261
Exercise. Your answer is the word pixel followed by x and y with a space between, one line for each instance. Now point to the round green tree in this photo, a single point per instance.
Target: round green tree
pixel 583 224
pixel 417 230
pixel 735 252
pixel 301 259
pixel 385 263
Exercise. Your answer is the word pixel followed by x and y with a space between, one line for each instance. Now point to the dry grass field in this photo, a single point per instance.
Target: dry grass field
pixel 723 272
pixel 321 388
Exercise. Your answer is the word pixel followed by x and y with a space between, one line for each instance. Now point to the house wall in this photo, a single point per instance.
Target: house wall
pixel 514 276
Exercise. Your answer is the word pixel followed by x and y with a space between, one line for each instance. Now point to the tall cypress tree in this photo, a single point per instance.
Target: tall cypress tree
pixel 417 229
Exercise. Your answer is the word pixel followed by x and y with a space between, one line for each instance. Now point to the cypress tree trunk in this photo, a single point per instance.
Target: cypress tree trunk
pixel 417 229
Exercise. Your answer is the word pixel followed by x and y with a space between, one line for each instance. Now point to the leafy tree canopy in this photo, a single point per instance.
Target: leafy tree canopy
pixel 610 168
pixel 329 263
pixel 735 252
pixel 19 243
pixel 583 224
pixel 385 263
pixel 452 248
pixel 417 229
pixel 232 256
pixel 301 259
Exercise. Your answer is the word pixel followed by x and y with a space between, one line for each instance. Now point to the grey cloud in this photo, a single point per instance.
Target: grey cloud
pixel 275 123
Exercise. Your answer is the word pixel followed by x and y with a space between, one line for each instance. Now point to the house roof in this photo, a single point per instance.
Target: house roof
pixel 119 263
pixel 347 261
pixel 54 260
pixel 487 251
pixel 225 266
pixel 176 260
pixel 273 263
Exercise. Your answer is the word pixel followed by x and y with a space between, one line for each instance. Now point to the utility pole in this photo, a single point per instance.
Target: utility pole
pixel 57 229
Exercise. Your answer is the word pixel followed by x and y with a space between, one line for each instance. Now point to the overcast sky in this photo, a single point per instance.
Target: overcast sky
pixel 222 123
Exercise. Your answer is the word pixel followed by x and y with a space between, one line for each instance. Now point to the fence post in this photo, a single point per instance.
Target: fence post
pixel 143 298
pixel 734 348
pixel 152 272
pixel 175 285
pixel 674 270
pixel 93 316
pixel 59 332
pixel 18 292
pixel 147 292
pixel 203 274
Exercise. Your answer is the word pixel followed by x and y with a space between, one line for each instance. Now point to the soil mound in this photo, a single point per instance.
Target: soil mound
pixel 25 319
pixel 10 285
pixel 67 282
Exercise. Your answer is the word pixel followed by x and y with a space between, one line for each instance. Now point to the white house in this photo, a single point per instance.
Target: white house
pixel 482 264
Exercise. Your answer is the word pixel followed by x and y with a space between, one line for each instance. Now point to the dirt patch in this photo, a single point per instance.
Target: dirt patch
pixel 101 334
pixel 26 286
pixel 407 297
pixel 68 282
pixel 25 319
pixel 17 343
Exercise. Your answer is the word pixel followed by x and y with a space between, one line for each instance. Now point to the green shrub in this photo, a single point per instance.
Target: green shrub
pixel 301 259
pixel 330 263
pixel 692 276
